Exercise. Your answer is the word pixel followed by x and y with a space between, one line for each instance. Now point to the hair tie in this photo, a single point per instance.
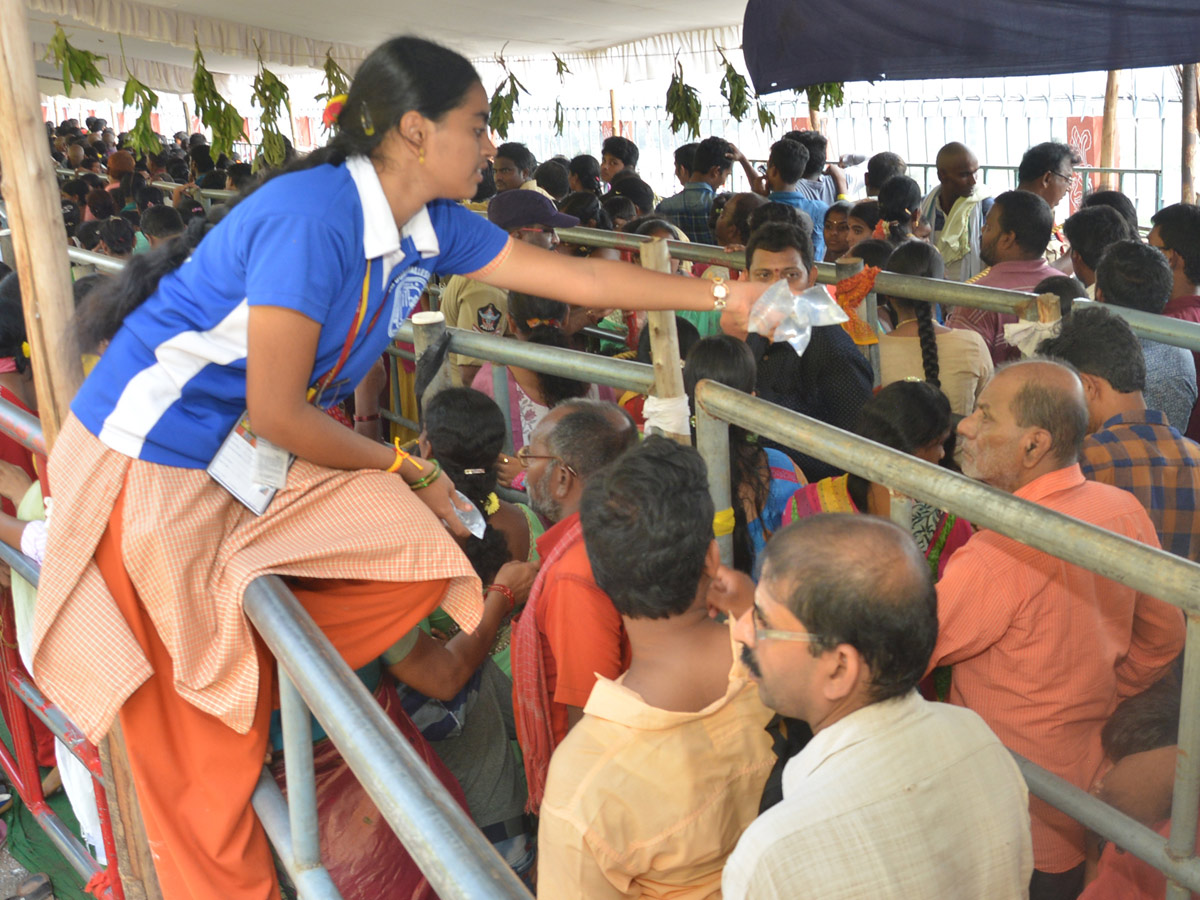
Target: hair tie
pixel 549 323
pixel 492 506
pixel 723 522
pixel 368 124
pixel 333 109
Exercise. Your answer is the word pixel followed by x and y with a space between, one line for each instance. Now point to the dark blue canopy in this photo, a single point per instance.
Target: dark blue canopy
pixel 794 43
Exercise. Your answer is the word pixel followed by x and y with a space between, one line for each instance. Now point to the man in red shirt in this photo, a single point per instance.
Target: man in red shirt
pixel 1044 650
pixel 1176 233
pixel 569 631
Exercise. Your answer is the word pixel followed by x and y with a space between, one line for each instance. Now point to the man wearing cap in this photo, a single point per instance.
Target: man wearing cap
pixel 528 216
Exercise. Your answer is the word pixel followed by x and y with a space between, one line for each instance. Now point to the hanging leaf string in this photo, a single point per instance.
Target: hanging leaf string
pixel 272 97
pixel 217 113
pixel 141 137
pixel 683 104
pixel 78 66
pixel 734 89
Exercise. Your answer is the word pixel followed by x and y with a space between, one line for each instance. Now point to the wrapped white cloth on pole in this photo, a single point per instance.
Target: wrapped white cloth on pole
pixel 668 414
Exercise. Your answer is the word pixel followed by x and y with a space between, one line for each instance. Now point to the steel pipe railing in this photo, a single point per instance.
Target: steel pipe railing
pixel 211 193
pixel 434 829
pixel 272 811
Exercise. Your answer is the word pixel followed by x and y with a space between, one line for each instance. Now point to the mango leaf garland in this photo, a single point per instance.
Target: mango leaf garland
pixel 766 118
pixel 271 96
pixel 560 117
pixel 225 122
pixel 735 90
pixel 683 104
pixel 560 69
pixel 504 104
pixel 337 82
pixel 827 95
pixel 78 66
pixel 141 137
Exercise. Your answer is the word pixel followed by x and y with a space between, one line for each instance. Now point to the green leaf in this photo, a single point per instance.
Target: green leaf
pixel 734 89
pixel 271 96
pixel 683 104
pixel 504 104
pixel 78 66
pixel 560 69
pixel 217 113
pixel 828 95
pixel 766 118
pixel 560 117
pixel 337 82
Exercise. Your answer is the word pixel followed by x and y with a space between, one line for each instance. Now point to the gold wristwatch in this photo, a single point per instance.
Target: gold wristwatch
pixel 720 293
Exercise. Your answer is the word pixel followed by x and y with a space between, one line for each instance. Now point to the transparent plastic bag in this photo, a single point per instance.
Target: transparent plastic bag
pixel 785 317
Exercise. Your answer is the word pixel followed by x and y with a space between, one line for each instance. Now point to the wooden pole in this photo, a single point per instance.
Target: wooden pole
pixel 1188 166
pixel 1108 133
pixel 612 102
pixel 31 196
pixel 664 338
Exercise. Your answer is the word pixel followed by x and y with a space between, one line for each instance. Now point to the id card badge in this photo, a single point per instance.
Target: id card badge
pixel 250 467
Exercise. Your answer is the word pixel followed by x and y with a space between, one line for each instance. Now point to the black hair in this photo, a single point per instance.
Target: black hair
pixel 241 175
pixel 775 237
pixel 5 270
pixel 713 153
pixel 201 158
pixel 1091 230
pixel 585 206
pixel 1069 290
pixel 93 181
pixel 77 188
pixel 85 285
pixel 621 148
pixel 859 580
pixel 904 415
pixel 647 525
pixel 873 252
pixel 212 180
pixel 781 213
pixel 899 199
pixel 587 169
pixel 619 207
pixel 12 322
pixel 161 222
pixel 867 212
pixel 133 217
pixel 1117 201
pixel 552 178
pixel 466 431
pixel 1136 276
pixel 72 216
pixel 1042 158
pixel 100 204
pixel 542 321
pixel 919 258
pixel 177 171
pixel 148 197
pixel 747 205
pixel 841 206
pixel 1179 227
pixel 685 156
pixel 118 236
pixel 88 234
pixel 1145 721
pixel 883 166
pixel 1029 218
pixel 519 155
pixel 688 338
pixel 817 147
pixel 790 159
pixel 487 186
pixel 1100 343
pixel 729 361
pixel 590 435
pixel 631 186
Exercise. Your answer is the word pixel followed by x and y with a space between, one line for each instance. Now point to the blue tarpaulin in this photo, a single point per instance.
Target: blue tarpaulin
pixel 794 43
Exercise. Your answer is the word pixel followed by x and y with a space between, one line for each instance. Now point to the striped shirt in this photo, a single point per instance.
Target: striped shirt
pixel 1044 650
pixel 1143 454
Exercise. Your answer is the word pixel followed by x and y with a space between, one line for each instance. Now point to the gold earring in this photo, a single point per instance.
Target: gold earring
pixel 421 155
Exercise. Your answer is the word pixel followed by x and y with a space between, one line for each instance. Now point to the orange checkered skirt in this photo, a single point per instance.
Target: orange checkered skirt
pixel 191 549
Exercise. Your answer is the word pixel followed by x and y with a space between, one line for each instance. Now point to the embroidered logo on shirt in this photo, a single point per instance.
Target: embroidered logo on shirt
pixel 487 320
pixel 405 296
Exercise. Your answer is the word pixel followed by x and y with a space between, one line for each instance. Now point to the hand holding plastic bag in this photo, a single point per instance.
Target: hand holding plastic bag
pixel 784 317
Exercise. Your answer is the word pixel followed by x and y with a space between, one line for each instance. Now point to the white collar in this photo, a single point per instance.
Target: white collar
pixel 380 235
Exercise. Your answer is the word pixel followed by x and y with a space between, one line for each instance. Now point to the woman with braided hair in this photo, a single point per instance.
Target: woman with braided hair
pixel 954 359
pixel 899 209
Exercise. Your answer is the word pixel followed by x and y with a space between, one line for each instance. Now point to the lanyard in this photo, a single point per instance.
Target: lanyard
pixel 315 392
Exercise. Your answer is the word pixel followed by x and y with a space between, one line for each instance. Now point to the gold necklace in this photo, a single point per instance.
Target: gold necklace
pixel 904 322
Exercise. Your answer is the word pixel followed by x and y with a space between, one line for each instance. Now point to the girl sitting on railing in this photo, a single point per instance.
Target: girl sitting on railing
pixel 530 395
pixel 760 479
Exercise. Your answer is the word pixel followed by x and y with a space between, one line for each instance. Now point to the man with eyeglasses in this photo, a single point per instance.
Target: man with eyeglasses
pixel 569 631
pixel 894 797
pixel 471 305
pixel 1048 169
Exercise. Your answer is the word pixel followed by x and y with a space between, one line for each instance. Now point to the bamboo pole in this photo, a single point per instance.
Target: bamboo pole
pixel 1188 164
pixel 1108 132
pixel 612 102
pixel 31 194
pixel 664 337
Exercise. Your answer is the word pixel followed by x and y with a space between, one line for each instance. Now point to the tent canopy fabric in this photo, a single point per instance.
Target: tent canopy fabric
pixel 791 44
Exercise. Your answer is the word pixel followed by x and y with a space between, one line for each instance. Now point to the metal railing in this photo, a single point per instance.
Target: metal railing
pixel 167 186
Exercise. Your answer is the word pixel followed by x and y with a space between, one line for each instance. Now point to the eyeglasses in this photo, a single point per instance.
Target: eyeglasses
pixel 1067 178
pixel 524 457
pixel 762 633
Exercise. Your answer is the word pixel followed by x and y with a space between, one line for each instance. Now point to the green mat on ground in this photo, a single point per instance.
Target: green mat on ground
pixel 30 846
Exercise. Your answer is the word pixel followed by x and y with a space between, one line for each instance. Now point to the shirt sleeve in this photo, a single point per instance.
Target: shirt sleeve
pixel 566 866
pixel 296 262
pixel 467 242
pixel 1157 636
pixel 584 632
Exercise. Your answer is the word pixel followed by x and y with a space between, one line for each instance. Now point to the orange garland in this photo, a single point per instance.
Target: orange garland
pixel 850 293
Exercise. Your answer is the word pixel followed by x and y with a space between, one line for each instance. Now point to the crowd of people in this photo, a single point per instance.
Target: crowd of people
pixel 620 713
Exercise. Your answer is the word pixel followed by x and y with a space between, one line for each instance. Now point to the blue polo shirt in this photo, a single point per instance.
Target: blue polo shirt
pixel 172 383
pixel 816 210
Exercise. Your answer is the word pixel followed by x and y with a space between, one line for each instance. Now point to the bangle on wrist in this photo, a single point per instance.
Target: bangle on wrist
pixel 841 196
pixel 371 418
pixel 428 479
pixel 402 456
pixel 506 592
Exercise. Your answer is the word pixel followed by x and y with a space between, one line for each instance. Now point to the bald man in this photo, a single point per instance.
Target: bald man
pixel 1041 649
pixel 956 210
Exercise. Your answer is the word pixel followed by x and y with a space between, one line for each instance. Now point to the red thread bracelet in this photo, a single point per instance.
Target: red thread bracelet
pixel 374 418
pixel 504 591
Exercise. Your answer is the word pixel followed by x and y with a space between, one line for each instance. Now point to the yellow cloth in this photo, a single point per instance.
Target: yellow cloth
pixel 646 803
pixel 954 240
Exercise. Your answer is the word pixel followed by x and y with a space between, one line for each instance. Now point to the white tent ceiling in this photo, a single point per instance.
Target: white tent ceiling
pixel 613 41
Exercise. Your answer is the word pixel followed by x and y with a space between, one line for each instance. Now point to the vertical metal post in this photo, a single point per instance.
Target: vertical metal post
pixel 301 783
pixel 503 400
pixel 428 328
pixel 712 440
pixel 1185 805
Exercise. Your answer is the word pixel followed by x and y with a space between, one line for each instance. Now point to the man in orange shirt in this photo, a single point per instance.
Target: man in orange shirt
pixel 1041 649
pixel 569 631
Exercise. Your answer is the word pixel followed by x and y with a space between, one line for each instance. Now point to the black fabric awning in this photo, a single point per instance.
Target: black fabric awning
pixel 794 43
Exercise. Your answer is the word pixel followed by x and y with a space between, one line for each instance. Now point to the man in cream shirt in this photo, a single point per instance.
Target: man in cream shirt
pixel 894 797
